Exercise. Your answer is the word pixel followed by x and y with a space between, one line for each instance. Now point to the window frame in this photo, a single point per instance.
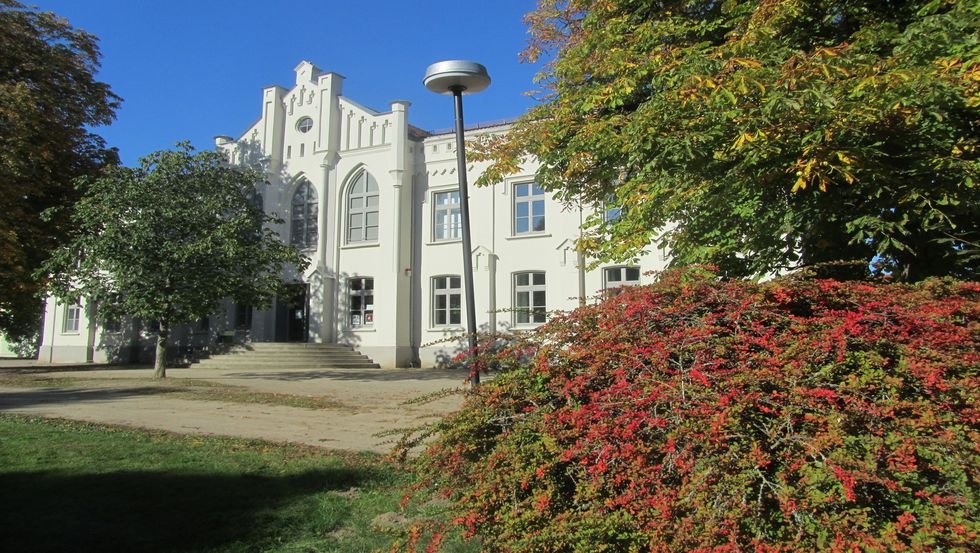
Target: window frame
pixel 612 289
pixel 68 317
pixel 363 210
pixel 243 317
pixel 301 124
pixel 533 314
pixel 455 226
pixel 364 312
pixel 530 200
pixel 448 291
pixel 306 219
pixel 611 212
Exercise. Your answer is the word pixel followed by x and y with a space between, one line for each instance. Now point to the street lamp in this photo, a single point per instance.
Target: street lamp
pixel 458 77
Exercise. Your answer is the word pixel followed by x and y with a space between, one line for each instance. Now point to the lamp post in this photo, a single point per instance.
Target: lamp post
pixel 458 77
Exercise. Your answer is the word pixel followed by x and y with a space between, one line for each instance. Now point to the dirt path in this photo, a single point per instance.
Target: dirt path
pixel 367 402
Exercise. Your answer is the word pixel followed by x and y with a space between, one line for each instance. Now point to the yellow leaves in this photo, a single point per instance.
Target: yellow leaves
pixel 827 52
pixel 964 147
pixel 704 82
pixel 819 170
pixel 803 174
pixel 948 65
pixel 871 81
pixel 740 63
pixel 746 138
pixel 579 163
pixel 741 140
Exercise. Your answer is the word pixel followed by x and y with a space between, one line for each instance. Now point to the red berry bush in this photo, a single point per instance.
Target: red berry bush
pixel 706 415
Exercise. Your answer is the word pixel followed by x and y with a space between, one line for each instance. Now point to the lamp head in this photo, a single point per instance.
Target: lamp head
pixel 447 77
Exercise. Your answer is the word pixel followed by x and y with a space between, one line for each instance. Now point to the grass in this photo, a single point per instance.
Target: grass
pixel 181 388
pixel 71 486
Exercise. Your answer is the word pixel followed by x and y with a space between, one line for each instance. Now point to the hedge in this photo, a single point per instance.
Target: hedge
pixel 698 414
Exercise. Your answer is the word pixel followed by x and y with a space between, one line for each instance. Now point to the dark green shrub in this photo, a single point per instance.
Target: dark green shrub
pixel 700 415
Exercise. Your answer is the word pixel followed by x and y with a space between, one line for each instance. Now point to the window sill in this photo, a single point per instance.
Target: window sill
pixel 528 235
pixel 441 242
pixel 360 329
pixel 359 245
pixel 526 326
pixel 450 329
pixel 72 333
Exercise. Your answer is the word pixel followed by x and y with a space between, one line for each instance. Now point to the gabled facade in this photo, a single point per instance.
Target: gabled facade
pixel 374 204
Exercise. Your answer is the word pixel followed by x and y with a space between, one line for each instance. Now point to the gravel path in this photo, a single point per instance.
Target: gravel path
pixel 368 402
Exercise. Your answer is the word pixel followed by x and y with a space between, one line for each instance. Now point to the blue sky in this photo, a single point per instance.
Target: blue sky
pixel 193 69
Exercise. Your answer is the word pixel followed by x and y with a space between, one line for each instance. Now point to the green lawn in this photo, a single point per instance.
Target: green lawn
pixel 70 486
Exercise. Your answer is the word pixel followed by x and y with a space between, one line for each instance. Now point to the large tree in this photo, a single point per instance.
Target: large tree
pixel 762 135
pixel 49 99
pixel 166 241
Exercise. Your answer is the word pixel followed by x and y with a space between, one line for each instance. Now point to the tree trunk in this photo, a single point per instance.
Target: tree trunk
pixel 160 365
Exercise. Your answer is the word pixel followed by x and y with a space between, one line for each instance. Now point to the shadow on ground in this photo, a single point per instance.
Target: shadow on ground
pixel 154 511
pixel 54 396
pixel 43 369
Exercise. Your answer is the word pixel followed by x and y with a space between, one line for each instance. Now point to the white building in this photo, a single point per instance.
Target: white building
pixel 373 202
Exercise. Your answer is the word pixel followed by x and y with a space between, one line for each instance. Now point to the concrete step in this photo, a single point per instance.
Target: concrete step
pixel 290 359
pixel 298 346
pixel 290 354
pixel 265 355
pixel 266 366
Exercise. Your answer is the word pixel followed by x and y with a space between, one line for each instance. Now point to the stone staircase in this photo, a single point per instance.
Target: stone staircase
pixel 288 355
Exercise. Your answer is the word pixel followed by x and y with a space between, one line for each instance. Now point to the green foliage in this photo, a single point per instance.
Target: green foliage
pixel 49 99
pixel 168 240
pixel 759 135
pixel 702 415
pixel 27 346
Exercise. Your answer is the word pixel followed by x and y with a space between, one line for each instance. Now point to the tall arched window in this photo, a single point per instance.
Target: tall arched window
pixel 362 209
pixel 303 220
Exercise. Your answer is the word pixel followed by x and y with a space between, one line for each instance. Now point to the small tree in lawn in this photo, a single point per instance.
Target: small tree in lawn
pixel 167 240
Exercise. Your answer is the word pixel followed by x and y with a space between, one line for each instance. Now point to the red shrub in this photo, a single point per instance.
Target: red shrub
pixel 699 415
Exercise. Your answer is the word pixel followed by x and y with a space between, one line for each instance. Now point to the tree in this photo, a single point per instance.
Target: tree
pixel 762 135
pixel 166 241
pixel 49 99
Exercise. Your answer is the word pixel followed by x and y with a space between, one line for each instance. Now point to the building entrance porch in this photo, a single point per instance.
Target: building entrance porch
pixel 293 313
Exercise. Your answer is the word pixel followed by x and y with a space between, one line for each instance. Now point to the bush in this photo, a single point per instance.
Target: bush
pixel 702 415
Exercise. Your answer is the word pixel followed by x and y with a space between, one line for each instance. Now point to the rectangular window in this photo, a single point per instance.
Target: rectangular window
pixel 530 302
pixel 613 211
pixel 243 316
pixel 360 293
pixel 72 321
pixel 447 301
pixel 528 208
pixel 614 278
pixel 363 203
pixel 447 221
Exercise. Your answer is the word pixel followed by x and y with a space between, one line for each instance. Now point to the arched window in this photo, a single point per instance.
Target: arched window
pixel 362 209
pixel 303 221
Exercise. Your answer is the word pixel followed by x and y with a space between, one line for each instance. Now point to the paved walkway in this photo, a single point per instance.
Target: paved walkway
pixel 368 401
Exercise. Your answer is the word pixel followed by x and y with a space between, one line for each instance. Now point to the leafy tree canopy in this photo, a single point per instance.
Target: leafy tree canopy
pixel 48 99
pixel 760 135
pixel 167 240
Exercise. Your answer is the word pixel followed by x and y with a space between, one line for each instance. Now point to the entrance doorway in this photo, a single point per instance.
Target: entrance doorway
pixel 297 312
